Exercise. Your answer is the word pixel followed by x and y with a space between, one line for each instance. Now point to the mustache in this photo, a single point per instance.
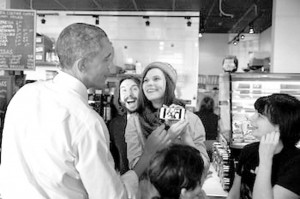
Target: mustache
pixel 131 97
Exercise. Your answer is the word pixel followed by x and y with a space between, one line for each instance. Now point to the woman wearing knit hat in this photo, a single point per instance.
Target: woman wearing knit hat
pixel 146 132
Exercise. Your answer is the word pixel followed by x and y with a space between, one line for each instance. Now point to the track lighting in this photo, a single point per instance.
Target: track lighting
pixel 43 20
pixel 236 40
pixel 251 28
pixel 188 23
pixel 96 19
pixel 147 22
pixel 201 24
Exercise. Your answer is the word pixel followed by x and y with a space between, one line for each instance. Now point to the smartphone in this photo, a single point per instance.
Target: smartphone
pixel 172 113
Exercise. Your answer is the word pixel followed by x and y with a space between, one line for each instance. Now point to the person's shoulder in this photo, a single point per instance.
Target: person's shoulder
pixel 117 120
pixel 251 147
pixel 189 115
pixel 292 153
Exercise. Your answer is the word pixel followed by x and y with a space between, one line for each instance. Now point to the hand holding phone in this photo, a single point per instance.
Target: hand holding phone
pixel 172 113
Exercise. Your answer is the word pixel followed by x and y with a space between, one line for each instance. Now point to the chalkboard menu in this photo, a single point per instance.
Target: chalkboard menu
pixel 6 92
pixel 17 39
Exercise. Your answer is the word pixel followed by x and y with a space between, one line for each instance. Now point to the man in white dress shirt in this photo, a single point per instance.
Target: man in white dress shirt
pixel 54 144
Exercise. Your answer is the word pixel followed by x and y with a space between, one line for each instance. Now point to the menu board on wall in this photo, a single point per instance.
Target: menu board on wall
pixel 6 91
pixel 17 39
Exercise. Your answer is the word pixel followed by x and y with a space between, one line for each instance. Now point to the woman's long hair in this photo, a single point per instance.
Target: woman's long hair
pixel 169 96
pixel 149 116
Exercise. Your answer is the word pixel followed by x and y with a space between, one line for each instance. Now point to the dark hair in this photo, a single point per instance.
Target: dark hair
pixel 174 168
pixel 207 104
pixel 169 96
pixel 282 110
pixel 78 41
pixel 120 108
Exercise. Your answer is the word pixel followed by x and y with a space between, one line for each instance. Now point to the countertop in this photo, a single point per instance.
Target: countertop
pixel 212 185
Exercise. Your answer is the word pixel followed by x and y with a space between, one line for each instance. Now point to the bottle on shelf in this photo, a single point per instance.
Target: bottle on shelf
pixel 98 102
pixel 107 109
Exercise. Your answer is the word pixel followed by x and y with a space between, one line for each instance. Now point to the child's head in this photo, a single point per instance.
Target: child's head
pixel 278 112
pixel 176 172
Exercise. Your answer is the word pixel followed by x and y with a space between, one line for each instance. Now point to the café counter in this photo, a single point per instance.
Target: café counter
pixel 212 185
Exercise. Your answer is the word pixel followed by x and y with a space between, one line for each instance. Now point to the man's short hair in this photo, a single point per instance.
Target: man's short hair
pixel 78 41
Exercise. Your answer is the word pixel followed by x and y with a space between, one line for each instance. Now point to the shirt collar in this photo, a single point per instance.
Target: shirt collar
pixel 68 81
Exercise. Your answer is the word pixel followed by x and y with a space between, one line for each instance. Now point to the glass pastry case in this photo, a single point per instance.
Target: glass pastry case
pixel 237 101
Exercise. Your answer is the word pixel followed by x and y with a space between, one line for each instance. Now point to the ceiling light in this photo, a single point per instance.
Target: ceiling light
pixel 242 36
pixel 147 22
pixel 251 28
pixel 201 24
pixel 188 23
pixel 43 20
pixel 236 41
pixel 96 19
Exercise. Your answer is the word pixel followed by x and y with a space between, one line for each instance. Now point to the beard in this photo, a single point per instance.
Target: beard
pixel 127 110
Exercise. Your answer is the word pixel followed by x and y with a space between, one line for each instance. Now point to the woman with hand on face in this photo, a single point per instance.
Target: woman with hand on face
pixel 146 132
pixel 271 167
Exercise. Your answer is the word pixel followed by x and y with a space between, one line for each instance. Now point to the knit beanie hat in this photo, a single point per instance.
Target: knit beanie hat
pixel 167 68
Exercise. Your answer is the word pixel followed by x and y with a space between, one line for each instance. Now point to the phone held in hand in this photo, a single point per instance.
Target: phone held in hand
pixel 173 113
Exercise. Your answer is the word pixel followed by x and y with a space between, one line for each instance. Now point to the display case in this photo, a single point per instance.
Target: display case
pixel 237 100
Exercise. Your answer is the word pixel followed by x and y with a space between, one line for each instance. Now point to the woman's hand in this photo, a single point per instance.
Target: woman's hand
pixel 157 140
pixel 177 129
pixel 269 145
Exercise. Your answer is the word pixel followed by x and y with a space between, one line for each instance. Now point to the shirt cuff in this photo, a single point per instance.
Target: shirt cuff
pixel 131 182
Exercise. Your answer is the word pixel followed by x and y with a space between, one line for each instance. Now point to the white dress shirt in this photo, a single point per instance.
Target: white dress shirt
pixel 56 146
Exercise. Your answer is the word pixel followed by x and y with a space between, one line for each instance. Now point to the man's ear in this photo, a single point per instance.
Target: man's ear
pixel 81 65
pixel 183 193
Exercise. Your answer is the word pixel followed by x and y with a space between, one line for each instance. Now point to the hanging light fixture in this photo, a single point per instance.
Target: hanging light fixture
pixel 201 25
pixel 43 20
pixel 251 28
pixel 188 23
pixel 147 22
pixel 96 19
